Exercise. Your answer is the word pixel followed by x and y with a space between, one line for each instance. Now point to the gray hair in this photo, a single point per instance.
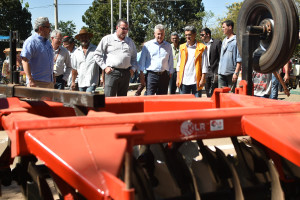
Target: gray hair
pixel 120 21
pixel 174 34
pixel 159 27
pixel 55 32
pixel 40 21
pixel 190 28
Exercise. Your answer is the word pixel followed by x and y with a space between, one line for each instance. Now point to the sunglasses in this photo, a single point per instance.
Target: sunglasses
pixel 46 26
pixel 202 35
pixel 124 29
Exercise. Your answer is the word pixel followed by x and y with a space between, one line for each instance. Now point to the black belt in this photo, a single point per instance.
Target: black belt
pixel 121 69
pixel 158 73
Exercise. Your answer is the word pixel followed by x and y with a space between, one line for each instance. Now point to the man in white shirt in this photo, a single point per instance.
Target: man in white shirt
pixel 84 64
pixel 69 44
pixel 192 64
pixel 62 62
pixel 213 55
pixel 116 55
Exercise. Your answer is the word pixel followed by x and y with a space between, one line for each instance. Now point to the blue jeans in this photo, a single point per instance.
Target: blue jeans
pixel 59 82
pixel 188 89
pixel 274 89
pixel 88 89
pixel 226 81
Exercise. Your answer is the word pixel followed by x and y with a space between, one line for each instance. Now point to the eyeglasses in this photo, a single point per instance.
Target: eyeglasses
pixel 59 39
pixel 202 35
pixel 124 29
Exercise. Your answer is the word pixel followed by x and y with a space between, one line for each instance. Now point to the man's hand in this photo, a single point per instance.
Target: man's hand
pixel 202 83
pixel 177 82
pixel 108 70
pixel 131 73
pixel 286 77
pixel 142 78
pixel 73 86
pixel 215 78
pixel 31 83
pixel 234 78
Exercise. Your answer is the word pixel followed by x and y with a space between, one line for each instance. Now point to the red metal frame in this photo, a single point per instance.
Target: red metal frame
pixel 80 149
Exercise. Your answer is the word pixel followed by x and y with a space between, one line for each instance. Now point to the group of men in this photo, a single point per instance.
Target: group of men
pixel 210 64
pixel 190 66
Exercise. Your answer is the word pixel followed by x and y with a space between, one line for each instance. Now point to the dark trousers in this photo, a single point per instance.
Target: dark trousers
pixel 157 83
pixel 188 89
pixel 59 82
pixel 172 83
pixel 117 82
pixel 211 83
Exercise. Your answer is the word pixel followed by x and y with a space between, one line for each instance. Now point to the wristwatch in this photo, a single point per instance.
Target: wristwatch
pixel 236 73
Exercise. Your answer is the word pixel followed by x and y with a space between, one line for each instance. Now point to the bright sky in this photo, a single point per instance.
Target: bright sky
pixel 74 9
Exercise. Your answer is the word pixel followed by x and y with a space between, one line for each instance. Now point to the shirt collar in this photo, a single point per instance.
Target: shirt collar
pixel 118 39
pixel 232 38
pixel 155 42
pixel 40 37
pixel 174 47
pixel 193 46
pixel 209 42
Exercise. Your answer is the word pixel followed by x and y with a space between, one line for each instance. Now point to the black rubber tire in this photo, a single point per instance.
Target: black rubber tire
pixel 285 33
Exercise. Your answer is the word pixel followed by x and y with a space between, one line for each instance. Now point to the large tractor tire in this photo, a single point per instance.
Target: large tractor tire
pixel 284 36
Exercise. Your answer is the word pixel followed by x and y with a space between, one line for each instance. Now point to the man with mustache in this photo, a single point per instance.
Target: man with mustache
pixel 116 55
pixel 84 64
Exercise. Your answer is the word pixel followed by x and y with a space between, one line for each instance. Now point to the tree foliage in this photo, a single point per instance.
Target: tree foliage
pixel 232 14
pixel 67 28
pixel 144 15
pixel 16 18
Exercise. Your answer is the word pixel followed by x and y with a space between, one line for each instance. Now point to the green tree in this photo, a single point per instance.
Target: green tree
pixel 67 28
pixel 98 21
pixel 143 17
pixel 16 18
pixel 175 15
pixel 232 14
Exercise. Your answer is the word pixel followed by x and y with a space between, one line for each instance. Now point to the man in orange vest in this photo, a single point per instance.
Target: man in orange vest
pixel 192 64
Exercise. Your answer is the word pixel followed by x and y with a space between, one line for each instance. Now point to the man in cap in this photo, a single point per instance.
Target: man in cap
pixel 62 61
pixel 116 54
pixel 37 56
pixel 83 63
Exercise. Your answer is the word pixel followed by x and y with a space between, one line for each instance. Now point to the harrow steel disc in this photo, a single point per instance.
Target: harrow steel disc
pixel 284 36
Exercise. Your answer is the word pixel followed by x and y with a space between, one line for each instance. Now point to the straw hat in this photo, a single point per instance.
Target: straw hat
pixel 8 50
pixel 83 32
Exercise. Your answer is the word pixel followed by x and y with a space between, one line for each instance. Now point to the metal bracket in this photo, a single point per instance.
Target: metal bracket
pixel 67 97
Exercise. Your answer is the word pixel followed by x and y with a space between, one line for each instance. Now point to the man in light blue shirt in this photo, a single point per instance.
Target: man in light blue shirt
pixel 157 60
pixel 37 56
pixel 230 60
